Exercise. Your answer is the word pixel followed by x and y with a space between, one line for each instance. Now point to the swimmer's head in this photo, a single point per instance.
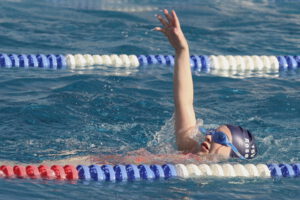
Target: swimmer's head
pixel 241 138
pixel 244 141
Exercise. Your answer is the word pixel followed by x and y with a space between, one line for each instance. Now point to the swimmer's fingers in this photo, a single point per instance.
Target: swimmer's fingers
pixel 169 17
pixel 160 29
pixel 162 20
pixel 176 20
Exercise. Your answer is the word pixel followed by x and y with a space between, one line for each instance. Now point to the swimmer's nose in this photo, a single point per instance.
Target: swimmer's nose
pixel 208 139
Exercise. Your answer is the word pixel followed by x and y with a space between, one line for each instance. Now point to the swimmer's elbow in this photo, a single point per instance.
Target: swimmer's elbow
pixel 187 144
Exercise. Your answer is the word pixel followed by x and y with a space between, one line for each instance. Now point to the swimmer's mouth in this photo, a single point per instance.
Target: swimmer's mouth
pixel 204 147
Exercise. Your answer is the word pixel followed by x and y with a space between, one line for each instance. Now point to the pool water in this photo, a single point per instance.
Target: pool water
pixel 51 115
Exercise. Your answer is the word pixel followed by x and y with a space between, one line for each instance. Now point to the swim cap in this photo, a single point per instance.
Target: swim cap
pixel 244 141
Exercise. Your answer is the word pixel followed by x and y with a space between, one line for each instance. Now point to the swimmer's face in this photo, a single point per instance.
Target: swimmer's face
pixel 210 147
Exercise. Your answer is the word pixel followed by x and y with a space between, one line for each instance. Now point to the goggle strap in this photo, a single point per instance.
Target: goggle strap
pixel 203 130
pixel 234 149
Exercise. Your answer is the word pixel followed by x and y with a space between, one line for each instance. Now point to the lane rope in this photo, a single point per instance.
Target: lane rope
pixel 102 5
pixel 147 172
pixel 201 63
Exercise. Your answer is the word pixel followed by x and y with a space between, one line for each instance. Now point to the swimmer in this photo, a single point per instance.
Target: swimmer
pixel 227 141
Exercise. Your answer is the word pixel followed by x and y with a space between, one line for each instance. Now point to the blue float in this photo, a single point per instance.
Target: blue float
pixel 292 63
pixel 142 60
pixel 297 59
pixel 287 170
pixel 197 63
pixel 133 172
pixel 158 171
pixel 205 63
pixel 43 62
pixel 146 172
pixel 109 172
pixel 151 59
pixel 170 170
pixel 283 65
pixel 61 61
pixel 84 172
pixel 121 172
pixel 24 62
pixel 52 61
pixel 5 61
pixel 170 60
pixel 33 62
pixel 275 170
pixel 296 168
pixel 161 59
pixel 14 60
pixel 97 173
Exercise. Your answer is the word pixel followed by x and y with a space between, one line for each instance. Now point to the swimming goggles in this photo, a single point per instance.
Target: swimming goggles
pixel 221 138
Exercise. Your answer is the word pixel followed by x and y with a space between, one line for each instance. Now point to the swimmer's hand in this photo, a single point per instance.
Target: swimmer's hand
pixel 172 30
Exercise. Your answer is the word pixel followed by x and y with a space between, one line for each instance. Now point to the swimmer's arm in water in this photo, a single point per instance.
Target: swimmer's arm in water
pixel 147 158
pixel 185 119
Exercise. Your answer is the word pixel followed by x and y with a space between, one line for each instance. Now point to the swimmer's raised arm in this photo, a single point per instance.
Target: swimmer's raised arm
pixel 185 119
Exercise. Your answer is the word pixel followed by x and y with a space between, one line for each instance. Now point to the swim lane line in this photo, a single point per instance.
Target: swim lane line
pixel 139 172
pixel 200 63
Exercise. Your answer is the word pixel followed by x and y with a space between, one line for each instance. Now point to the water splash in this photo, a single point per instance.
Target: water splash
pixel 164 141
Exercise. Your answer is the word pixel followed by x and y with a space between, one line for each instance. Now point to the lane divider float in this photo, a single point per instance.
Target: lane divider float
pixel 200 63
pixel 147 172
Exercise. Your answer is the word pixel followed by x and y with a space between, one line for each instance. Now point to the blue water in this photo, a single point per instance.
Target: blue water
pixel 51 115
